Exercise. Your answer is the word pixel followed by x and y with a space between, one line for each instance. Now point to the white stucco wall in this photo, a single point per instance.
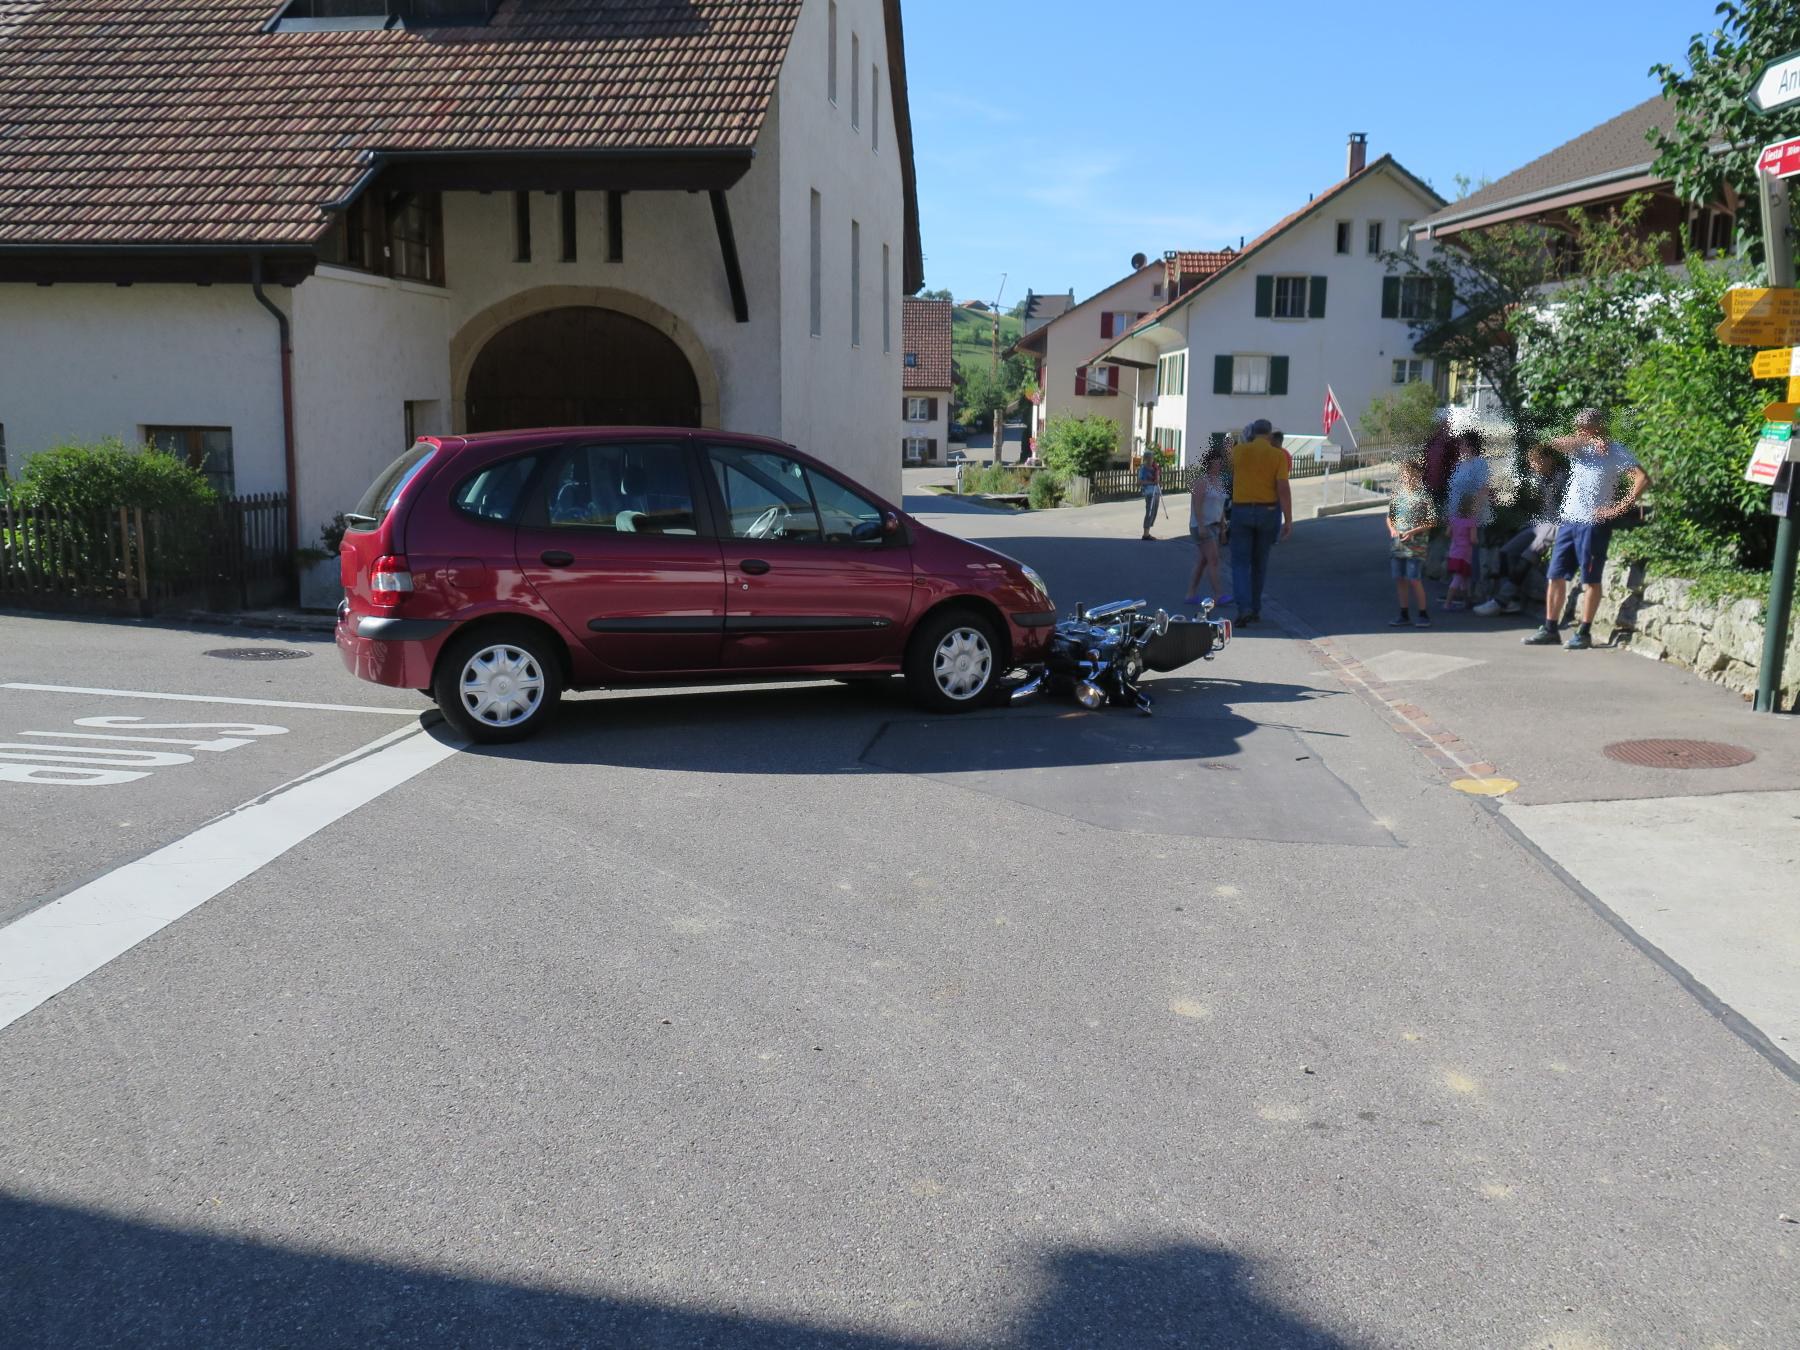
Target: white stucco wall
pixel 836 398
pixel 81 362
pixel 363 348
pixel 1352 348
pixel 1075 336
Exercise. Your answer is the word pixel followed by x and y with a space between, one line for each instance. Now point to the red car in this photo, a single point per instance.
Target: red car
pixel 496 571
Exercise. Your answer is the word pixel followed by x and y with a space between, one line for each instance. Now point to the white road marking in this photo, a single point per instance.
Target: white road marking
pixel 48 950
pixel 1397 666
pixel 208 698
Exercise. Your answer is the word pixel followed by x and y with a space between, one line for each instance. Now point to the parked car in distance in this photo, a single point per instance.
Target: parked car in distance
pixel 494 572
pixel 958 432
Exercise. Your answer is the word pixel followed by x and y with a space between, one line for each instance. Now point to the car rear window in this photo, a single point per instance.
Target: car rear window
pixel 388 486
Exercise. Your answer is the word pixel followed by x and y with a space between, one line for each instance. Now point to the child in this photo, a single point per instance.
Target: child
pixel 1410 520
pixel 1460 563
pixel 1206 526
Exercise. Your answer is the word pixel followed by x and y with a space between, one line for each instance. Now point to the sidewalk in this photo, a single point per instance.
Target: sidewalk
pixel 1695 865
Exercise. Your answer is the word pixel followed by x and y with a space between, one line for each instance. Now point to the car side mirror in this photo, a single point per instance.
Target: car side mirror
pixel 867 531
pixel 890 524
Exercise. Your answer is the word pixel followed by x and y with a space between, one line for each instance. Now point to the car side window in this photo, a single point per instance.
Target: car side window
pixel 495 492
pixel 847 517
pixel 766 495
pixel 621 488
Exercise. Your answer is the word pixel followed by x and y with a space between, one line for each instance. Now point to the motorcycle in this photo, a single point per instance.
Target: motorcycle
pixel 1099 655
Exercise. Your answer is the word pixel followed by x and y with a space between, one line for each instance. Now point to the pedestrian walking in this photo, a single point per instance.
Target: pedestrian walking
pixel 1262 511
pixel 1591 504
pixel 1411 518
pixel 1206 526
pixel 1150 484
pixel 1542 491
pixel 1460 561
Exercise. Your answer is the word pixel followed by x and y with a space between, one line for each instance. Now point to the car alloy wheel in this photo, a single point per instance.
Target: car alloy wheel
pixel 501 686
pixel 962 664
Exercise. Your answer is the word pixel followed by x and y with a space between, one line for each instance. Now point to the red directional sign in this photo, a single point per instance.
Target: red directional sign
pixel 1781 160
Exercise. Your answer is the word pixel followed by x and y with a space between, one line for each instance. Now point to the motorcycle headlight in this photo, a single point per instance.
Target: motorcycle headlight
pixel 1032 576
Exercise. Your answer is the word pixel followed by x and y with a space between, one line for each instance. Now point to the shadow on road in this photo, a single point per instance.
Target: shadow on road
pixel 76 1279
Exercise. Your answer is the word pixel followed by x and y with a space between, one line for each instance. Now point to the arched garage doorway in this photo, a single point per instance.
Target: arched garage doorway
pixel 581 365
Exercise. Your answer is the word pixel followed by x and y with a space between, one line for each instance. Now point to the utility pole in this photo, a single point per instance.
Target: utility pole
pixel 999 413
pixel 1778 243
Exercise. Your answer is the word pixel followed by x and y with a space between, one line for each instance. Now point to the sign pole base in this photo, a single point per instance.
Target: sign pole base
pixel 1781 596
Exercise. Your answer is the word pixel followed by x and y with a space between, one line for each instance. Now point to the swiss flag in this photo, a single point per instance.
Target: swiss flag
pixel 1333 413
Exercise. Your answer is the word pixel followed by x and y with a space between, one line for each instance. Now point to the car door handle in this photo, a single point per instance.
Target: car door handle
pixel 555 557
pixel 754 566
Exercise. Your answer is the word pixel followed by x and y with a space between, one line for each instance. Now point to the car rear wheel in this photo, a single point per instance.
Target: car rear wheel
pixel 953 663
pixel 498 684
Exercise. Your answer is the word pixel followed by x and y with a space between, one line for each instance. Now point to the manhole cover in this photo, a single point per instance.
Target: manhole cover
pixel 1679 754
pixel 258 653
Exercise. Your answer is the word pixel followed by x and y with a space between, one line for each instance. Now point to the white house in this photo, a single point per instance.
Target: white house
pixel 1309 303
pixel 1069 382
pixel 928 377
pixel 284 251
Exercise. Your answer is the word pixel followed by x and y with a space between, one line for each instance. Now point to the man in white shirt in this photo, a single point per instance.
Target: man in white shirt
pixel 1591 504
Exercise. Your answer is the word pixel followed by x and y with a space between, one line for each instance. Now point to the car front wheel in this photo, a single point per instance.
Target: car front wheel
pixel 953 664
pixel 498 685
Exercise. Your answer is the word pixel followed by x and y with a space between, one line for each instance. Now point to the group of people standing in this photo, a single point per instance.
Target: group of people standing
pixel 1573 489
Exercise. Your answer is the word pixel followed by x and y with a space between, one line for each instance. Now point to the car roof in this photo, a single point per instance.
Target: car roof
pixel 533 437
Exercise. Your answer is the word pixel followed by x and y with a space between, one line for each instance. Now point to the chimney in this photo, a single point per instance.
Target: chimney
pixel 1359 154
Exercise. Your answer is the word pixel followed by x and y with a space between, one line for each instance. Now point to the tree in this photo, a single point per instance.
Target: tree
pixel 938 295
pixel 1403 418
pixel 1710 109
pixel 1078 445
pixel 982 396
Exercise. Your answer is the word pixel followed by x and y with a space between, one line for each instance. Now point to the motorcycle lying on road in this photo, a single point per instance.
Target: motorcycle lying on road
pixel 1098 656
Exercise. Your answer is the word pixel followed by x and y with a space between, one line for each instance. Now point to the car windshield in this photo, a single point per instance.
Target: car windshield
pixel 388 486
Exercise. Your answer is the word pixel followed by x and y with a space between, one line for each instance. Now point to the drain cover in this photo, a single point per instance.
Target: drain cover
pixel 258 653
pixel 1679 754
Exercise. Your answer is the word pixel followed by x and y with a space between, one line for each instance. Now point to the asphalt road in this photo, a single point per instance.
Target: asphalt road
pixel 787 1017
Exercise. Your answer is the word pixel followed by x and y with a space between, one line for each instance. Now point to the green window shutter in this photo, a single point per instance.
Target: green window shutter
pixel 1221 374
pixel 1265 297
pixel 1278 371
pixel 1446 299
pixel 1390 297
pixel 1315 298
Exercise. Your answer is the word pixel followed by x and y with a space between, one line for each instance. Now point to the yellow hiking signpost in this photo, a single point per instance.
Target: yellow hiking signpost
pixel 1776 364
pixel 1761 316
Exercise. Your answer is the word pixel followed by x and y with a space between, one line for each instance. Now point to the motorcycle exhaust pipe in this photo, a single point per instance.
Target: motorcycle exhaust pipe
pixel 1090 695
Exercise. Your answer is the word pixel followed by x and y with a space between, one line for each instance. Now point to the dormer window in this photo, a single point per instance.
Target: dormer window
pixel 303 16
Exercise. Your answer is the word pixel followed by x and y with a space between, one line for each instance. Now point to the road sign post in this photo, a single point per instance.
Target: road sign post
pixel 1778 86
pixel 1778 240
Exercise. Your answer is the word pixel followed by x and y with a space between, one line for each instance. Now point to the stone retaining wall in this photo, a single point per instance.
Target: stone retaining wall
pixel 1721 640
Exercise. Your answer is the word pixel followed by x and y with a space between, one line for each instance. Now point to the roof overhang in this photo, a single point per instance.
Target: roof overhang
pixel 173 264
pixel 1560 197
pixel 648 170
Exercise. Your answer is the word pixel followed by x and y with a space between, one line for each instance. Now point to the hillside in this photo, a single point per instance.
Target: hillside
pixel 972 337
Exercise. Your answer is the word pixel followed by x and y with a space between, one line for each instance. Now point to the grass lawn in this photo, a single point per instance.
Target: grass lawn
pixel 972 336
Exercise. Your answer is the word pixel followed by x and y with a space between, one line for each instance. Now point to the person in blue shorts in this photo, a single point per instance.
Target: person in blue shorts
pixel 1591 504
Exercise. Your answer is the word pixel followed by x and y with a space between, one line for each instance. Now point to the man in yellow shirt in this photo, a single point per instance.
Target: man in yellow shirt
pixel 1262 511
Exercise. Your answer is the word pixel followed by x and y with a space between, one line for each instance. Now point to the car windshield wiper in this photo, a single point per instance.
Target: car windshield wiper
pixel 356 518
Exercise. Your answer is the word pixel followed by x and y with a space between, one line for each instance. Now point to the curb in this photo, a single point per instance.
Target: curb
pixel 279 623
pixel 1347 508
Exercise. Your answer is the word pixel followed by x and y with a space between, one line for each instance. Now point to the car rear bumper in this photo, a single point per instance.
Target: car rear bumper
pixel 390 650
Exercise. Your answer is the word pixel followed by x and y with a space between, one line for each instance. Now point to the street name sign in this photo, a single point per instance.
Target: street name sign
pixel 1778 86
pixel 1770 454
pixel 1761 316
pixel 1780 160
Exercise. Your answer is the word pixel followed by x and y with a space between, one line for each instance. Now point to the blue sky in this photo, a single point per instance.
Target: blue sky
pixel 1056 139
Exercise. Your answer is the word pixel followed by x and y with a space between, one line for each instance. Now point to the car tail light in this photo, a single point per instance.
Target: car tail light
pixel 389 581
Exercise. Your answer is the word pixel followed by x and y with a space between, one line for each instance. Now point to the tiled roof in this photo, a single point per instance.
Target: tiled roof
pixel 1617 148
pixel 183 122
pixel 926 336
pixel 1187 266
pixel 1047 307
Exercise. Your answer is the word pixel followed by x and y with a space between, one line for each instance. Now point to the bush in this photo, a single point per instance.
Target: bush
pixel 1405 417
pixel 991 478
pixel 1044 491
pixel 109 474
pixel 1078 445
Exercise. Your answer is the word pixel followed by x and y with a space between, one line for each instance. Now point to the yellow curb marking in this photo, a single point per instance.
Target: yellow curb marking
pixel 1486 787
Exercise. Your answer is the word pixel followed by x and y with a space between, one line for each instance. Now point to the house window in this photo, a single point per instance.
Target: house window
pixel 207 449
pixel 817 259
pixel 1406 237
pixel 354 238
pixel 416 237
pixel 521 227
pixel 1096 381
pixel 1249 374
pixel 615 227
pixel 887 303
pixel 1290 297
pixel 569 231
pixel 1171 375
pixel 855 82
pixel 874 107
pixel 831 54
pixel 312 16
pixel 1417 295
pixel 1409 371
pixel 918 449
pixel 918 409
pixel 1343 236
pixel 1156 289
pixel 855 283
pixel 1374 237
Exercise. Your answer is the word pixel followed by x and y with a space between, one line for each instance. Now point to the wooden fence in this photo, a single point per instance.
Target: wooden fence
pixel 126 560
pixel 1111 485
